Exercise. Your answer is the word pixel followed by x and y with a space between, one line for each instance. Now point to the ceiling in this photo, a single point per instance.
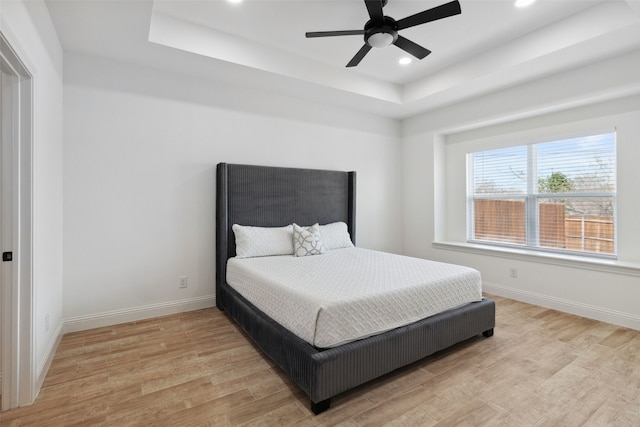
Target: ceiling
pixel 261 44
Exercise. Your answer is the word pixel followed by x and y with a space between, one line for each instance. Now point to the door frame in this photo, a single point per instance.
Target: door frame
pixel 17 335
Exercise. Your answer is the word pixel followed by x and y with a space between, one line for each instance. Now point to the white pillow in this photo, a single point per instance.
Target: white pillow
pixel 335 236
pixel 307 241
pixel 262 241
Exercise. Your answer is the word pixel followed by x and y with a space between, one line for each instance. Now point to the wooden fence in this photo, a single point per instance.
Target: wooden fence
pixel 504 221
pixel 589 233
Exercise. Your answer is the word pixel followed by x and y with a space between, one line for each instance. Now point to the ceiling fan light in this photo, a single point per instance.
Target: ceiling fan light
pixel 380 40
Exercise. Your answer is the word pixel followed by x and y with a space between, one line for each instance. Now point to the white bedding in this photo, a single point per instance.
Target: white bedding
pixel 351 293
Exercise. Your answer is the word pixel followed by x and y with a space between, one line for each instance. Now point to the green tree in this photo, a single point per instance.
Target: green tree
pixel 557 182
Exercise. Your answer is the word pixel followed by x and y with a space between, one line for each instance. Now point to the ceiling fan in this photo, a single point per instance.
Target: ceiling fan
pixel 381 31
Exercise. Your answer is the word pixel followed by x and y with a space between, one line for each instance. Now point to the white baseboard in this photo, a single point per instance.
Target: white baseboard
pixel 91 321
pixel 50 352
pixel 619 318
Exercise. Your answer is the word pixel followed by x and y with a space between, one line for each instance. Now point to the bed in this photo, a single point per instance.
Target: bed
pixel 275 197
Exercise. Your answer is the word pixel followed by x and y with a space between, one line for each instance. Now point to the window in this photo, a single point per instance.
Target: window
pixel 553 196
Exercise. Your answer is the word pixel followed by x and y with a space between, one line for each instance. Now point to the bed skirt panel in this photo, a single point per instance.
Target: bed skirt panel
pixel 324 373
pixel 356 363
pixel 292 354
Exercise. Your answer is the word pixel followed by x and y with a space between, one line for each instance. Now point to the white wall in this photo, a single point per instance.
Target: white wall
pixel 141 147
pixel 30 31
pixel 596 97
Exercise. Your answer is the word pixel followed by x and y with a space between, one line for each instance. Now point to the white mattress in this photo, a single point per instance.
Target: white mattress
pixel 352 293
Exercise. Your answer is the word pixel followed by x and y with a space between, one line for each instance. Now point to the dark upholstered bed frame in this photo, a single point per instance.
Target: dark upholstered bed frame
pixel 271 197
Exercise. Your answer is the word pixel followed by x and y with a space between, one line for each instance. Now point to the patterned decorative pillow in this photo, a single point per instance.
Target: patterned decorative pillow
pixel 307 241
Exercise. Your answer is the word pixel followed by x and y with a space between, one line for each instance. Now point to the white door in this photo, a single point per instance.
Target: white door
pixel 6 220
pixel 1 234
pixel 16 288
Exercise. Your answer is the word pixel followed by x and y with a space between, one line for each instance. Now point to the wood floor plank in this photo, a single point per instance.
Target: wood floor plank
pixel 619 337
pixel 542 367
pixel 475 413
pixel 248 412
pixel 394 407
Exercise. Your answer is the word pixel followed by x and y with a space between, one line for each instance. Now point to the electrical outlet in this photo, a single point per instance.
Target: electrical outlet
pixel 513 273
pixel 182 281
pixel 46 322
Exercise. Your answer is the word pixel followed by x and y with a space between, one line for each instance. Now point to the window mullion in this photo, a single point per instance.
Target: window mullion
pixel 531 206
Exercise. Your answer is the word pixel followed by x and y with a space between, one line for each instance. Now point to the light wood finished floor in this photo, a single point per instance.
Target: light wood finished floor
pixel 541 368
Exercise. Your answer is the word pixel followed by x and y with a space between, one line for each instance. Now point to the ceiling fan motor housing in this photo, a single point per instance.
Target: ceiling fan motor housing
pixel 381 31
pixel 380 35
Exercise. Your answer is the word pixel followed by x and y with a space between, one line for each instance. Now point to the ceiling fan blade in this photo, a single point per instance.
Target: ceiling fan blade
pixel 375 10
pixel 443 11
pixel 335 33
pixel 411 47
pixel 361 53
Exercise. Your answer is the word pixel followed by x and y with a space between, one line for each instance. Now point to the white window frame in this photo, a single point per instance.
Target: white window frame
pixel 531 200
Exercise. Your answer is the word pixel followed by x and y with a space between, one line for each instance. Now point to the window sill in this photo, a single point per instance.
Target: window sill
pixel 597 264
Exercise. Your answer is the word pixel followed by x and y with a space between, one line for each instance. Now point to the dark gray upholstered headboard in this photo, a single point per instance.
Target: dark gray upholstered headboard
pixel 274 197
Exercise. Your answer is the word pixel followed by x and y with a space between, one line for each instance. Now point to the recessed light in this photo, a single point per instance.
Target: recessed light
pixel 404 60
pixel 234 1
pixel 524 3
